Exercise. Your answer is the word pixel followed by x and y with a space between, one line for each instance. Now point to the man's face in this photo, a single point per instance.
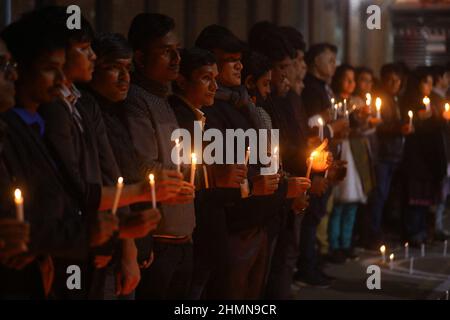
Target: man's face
pixel 111 79
pixel 365 82
pixel 263 84
pixel 201 88
pixel 325 64
pixel 426 85
pixel 393 83
pixel 348 82
pixel 444 81
pixel 80 62
pixel 230 67
pixel 280 81
pixel 8 75
pixel 43 81
pixel 161 59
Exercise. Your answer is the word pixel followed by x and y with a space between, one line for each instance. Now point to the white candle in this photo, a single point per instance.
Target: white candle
pixel 422 249
pixel 447 107
pixel 335 112
pixel 346 115
pixel 445 248
pixel 193 167
pixel 151 178
pixel 320 121
pixel 378 106
pixel 247 156
pixel 368 99
pixel 332 101
pixel 426 102
pixel 406 250
pixel 411 265
pixel 345 105
pixel 410 115
pixel 119 188
pixel 18 200
pixel 177 145
pixel 276 160
pixel 311 159
pixel 383 253
pixel 205 174
pixel 391 261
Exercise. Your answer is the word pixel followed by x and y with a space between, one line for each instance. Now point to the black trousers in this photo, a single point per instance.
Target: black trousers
pixel 169 276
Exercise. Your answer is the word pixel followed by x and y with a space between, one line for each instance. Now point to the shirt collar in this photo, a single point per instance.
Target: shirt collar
pixel 70 96
pixel 199 115
pixel 31 118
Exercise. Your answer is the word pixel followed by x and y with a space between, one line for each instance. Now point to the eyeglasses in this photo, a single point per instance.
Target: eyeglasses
pixel 8 66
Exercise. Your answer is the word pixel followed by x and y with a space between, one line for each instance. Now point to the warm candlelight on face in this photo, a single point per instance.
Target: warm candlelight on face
pixel 119 188
pixel 193 167
pixel 18 200
pixel 151 178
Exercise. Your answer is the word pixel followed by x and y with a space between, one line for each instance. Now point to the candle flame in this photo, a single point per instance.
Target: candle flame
pixel 18 194
pixel 332 100
pixel 151 177
pixel 194 158
pixel 335 106
pixel 410 113
pixel 426 100
pixel 275 150
pixel 120 180
pixel 383 248
pixel 447 107
pixel 320 121
pixel 313 154
pixel 391 257
pixel 378 103
pixel 406 244
pixel 177 142
pixel 368 96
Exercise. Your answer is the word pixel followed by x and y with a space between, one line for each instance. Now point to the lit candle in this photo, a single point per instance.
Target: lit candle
pixel 445 248
pixel 447 107
pixel 335 112
pixel 391 261
pixel 368 99
pixel 18 200
pixel 311 159
pixel 193 167
pixel 205 174
pixel 177 145
pixel 378 106
pixel 247 155
pixel 383 253
pixel 345 105
pixel 406 250
pixel 447 111
pixel 422 250
pixel 119 188
pixel 320 121
pixel 426 102
pixel 332 101
pixel 275 159
pixel 411 265
pixel 346 115
pixel 410 115
pixel 151 177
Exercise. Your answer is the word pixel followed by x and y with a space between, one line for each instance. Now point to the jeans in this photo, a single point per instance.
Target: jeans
pixel 307 262
pixel 415 224
pixel 340 225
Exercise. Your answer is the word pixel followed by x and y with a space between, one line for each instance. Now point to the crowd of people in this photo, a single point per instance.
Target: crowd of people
pixel 81 110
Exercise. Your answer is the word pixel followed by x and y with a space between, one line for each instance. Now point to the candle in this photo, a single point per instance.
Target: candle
pixel 332 101
pixel 335 112
pixel 406 250
pixel 320 121
pixel 247 155
pixel 447 111
pixel 346 115
pixel 446 295
pixel 410 115
pixel 177 145
pixel 275 159
pixel 422 249
pixel 119 188
pixel 193 167
pixel 426 102
pixel 18 200
pixel 445 248
pixel 411 265
pixel 368 99
pixel 151 177
pixel 383 253
pixel 345 104
pixel 378 106
pixel 205 174
pixel 311 159
pixel 391 261
pixel 447 107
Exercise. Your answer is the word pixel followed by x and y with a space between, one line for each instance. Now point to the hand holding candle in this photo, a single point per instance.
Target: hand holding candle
pixel 151 178
pixel 119 189
pixel 18 200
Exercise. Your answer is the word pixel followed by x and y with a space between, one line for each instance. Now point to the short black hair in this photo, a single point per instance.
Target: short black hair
pixel 218 37
pixel 438 72
pixel 267 38
pixel 317 49
pixel 31 37
pixel 390 68
pixel 294 37
pixel 111 46
pixel 56 17
pixel 360 70
pixel 336 83
pixel 193 59
pixel 255 64
pixel 147 27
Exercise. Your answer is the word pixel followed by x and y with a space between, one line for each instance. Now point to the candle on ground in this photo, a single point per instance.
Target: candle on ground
pixel 383 253
pixel 151 178
pixel 119 188
pixel 18 200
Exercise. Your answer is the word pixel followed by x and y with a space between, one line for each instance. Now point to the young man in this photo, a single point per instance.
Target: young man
pixel 59 228
pixel 14 234
pixel 390 133
pixel 151 121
